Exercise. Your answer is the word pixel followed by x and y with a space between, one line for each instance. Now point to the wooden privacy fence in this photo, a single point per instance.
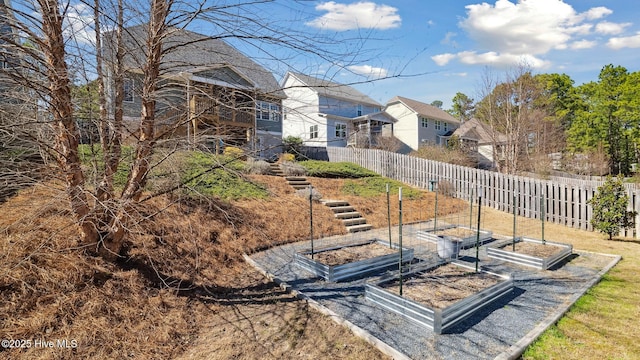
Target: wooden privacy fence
pixel 564 202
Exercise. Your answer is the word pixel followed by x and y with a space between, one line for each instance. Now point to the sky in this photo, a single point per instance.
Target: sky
pixel 430 50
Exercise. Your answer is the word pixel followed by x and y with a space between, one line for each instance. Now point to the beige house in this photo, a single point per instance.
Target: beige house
pixel 479 138
pixel 418 123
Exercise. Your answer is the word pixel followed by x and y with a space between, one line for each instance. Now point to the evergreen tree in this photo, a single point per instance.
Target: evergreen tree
pixel 609 204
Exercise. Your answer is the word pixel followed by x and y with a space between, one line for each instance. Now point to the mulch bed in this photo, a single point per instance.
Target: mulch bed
pixel 457 232
pixel 533 249
pixel 442 286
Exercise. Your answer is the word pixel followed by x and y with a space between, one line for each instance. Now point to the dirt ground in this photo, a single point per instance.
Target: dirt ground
pixel 534 249
pixel 442 286
pixel 349 254
pixel 458 232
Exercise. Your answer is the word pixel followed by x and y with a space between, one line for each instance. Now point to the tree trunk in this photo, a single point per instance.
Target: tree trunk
pixel 64 126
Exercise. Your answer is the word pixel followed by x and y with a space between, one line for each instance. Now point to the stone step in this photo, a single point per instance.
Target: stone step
pixel 354 221
pixel 340 209
pixel 300 187
pixel 295 178
pixel 334 203
pixel 357 228
pixel 348 215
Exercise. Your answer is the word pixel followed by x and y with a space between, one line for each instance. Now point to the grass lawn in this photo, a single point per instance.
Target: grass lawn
pixel 601 325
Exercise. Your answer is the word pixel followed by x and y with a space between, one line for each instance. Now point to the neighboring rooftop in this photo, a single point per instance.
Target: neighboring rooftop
pixel 478 131
pixel 425 110
pixel 332 89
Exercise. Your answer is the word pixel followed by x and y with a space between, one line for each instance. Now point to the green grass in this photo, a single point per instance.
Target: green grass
pixel 327 169
pixel 222 183
pixel 374 186
pixel 93 162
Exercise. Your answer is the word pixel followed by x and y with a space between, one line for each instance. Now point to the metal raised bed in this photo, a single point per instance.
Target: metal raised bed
pixel 529 260
pixel 350 270
pixel 466 242
pixel 438 320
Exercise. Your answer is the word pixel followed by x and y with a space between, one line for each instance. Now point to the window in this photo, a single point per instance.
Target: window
pixel 424 122
pixel 128 90
pixel 445 126
pixel 268 111
pixel 359 110
pixel 438 124
pixel 313 132
pixel 341 130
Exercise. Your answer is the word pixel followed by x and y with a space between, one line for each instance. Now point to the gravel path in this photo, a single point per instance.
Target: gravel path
pixel 500 329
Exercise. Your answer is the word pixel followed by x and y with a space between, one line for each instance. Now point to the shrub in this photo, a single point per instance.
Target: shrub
pixel 292 169
pixel 304 193
pixel 292 145
pixel 287 158
pixel 452 155
pixel 336 170
pixel 609 204
pixel 234 152
pixel 258 167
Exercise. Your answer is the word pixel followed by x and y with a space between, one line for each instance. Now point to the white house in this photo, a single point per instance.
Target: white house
pixel 324 113
pixel 418 123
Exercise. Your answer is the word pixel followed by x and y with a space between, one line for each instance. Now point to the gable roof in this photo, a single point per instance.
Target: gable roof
pixel 424 110
pixel 189 52
pixel 476 130
pixel 332 89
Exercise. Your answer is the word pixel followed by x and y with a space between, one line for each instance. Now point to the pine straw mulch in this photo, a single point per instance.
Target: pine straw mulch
pixel 442 286
pixel 183 291
pixel 349 254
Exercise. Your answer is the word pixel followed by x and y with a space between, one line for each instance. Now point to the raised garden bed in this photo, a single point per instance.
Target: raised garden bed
pixel 464 234
pixel 531 252
pixel 352 260
pixel 441 296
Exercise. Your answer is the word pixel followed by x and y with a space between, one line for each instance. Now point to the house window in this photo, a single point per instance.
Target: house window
pixel 341 130
pixel 438 125
pixel 128 90
pixel 424 122
pixel 359 109
pixel 268 111
pixel 445 126
pixel 313 132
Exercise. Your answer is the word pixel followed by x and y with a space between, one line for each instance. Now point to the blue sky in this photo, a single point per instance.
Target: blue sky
pixel 451 43
pixel 429 50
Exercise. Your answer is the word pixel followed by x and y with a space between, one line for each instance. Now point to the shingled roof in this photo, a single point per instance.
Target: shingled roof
pixel 476 130
pixel 190 52
pixel 425 110
pixel 332 89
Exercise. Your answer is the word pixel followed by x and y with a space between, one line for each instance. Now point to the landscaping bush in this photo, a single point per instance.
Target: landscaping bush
pixel 335 170
pixel 257 167
pixel 287 158
pixel 292 169
pixel 304 193
pixel 234 152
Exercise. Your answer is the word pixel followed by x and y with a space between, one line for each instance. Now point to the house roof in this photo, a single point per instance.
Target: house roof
pixel 476 130
pixel 425 110
pixel 192 53
pixel 332 89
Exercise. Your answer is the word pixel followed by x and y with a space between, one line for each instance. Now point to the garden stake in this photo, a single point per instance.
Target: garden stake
pixel 400 235
pixel 542 208
pixel 389 215
pixel 471 208
pixel 515 206
pixel 311 218
pixel 478 233
pixel 435 211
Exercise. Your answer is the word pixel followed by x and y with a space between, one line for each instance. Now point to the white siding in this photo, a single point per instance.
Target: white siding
pixel 406 128
pixel 301 109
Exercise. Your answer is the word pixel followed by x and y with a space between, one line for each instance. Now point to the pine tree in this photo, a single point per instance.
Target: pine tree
pixel 609 204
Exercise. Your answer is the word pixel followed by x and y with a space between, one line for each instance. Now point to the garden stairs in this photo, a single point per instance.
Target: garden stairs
pixel 352 219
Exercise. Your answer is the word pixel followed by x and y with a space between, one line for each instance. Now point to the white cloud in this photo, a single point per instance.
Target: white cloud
pixel 79 24
pixel 363 14
pixel 618 43
pixel 582 44
pixel 368 71
pixel 528 26
pixel 609 28
pixel 443 59
pixel 448 39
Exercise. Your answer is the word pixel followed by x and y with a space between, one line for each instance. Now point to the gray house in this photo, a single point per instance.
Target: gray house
pixel 209 92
